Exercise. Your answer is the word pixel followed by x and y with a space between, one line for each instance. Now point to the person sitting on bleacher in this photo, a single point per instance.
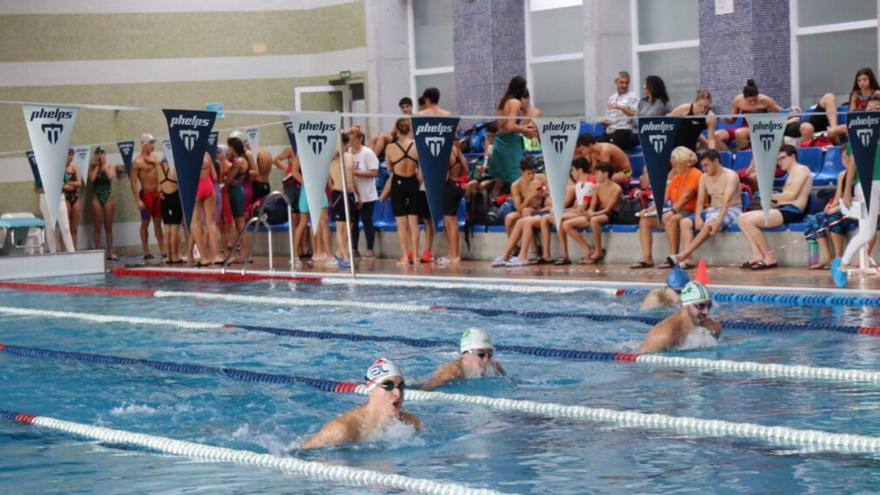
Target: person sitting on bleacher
pixel 690 131
pixel 604 207
pixel 597 153
pixel 750 101
pixel 790 207
pixel 831 221
pixel 572 218
pixel 531 198
pixel 620 127
pixel 719 186
pixel 864 86
pixel 680 202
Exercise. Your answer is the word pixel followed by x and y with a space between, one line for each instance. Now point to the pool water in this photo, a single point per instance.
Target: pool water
pixel 516 453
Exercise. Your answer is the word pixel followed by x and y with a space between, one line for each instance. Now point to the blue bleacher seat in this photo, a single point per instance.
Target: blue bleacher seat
pixel 726 158
pixel 811 157
pixel 742 159
pixel 586 127
pixel 831 167
pixel 599 129
pixel 637 162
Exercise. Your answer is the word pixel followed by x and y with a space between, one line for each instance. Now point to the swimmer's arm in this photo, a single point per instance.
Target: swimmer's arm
pixel 657 340
pixel 500 369
pixel 281 158
pixel 411 419
pixel 445 374
pixel 334 432
pixel 713 326
pixel 652 300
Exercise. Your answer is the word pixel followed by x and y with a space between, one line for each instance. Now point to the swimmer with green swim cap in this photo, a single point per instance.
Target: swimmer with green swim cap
pixel 475 361
pixel 696 302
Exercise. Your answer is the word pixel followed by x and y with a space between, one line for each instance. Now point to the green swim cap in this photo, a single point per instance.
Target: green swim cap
pixel 694 292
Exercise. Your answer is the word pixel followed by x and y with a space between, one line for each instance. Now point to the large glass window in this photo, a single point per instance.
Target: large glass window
pixel 555 55
pixel 431 49
pixel 667 44
pixel 830 42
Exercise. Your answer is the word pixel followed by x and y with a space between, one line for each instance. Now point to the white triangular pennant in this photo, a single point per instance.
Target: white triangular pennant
pixel 316 136
pixel 81 156
pixel 50 129
pixel 558 139
pixel 765 131
pixel 168 154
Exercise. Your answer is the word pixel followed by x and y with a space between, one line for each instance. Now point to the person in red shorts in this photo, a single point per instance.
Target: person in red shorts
pixel 145 168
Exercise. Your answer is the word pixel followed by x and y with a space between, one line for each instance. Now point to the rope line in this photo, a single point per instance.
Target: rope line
pixel 311 470
pixel 728 366
pixel 744 325
pixel 774 435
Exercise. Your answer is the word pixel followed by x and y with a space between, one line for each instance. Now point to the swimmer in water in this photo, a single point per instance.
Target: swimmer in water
pixel 696 303
pixel 475 361
pixel 669 295
pixel 385 385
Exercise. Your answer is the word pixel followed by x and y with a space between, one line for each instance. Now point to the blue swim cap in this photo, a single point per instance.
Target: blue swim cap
pixel 677 278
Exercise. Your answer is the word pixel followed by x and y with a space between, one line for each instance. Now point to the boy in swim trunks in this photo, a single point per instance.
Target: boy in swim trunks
pixel 338 202
pixel 145 168
pixel 386 387
pixel 605 153
pixel 475 360
pixel 696 302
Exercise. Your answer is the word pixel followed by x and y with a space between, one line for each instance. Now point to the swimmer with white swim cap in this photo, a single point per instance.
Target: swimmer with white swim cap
pixel 475 361
pixel 696 302
pixel 669 295
pixel 386 385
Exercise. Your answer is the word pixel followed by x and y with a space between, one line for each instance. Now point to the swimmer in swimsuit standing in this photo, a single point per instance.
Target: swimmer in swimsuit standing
pixel 696 302
pixel 145 168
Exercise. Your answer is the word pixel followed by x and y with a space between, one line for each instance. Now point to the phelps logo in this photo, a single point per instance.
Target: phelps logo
pixel 82 153
pixel 56 114
pixel 193 121
pixel 865 136
pixel 317 126
pixel 657 127
pixel 558 142
pixel 188 137
pixel 558 126
pixel 658 142
pixel 126 148
pixel 212 138
pixel 435 145
pixel 52 132
pixel 317 142
pixel 766 141
pixel 434 129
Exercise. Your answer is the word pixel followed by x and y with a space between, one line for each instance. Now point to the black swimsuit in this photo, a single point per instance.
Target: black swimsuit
pixel 404 190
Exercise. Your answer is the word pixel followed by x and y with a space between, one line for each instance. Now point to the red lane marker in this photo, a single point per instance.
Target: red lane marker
pixel 625 357
pixel 128 272
pixel 346 388
pixel 25 418
pixel 620 292
pixel 869 330
pixel 2 347
pixel 77 289
pixel 437 308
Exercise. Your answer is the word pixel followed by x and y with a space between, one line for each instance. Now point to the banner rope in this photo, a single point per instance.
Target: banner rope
pixel 774 435
pixel 311 470
pixel 772 370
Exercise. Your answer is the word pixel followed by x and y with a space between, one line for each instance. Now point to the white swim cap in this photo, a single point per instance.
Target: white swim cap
pixel 694 292
pixel 237 135
pixel 475 338
pixel 381 370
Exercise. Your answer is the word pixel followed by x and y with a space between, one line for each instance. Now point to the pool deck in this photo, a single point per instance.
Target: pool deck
pixel 777 279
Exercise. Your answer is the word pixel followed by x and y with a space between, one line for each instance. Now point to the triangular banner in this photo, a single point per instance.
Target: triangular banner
pixel 864 131
pixel 316 136
pixel 167 153
pixel 288 126
pixel 765 132
pixel 657 137
pixel 32 161
pixel 188 131
pixel 126 149
pixel 434 137
pixel 212 145
pixel 558 139
pixel 253 137
pixel 50 129
pixel 81 156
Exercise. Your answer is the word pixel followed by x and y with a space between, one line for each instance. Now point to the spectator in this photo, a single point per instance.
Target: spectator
pixel 822 128
pixel 403 162
pixel 103 203
pixel 238 170
pixel 456 178
pixel 383 139
pixel 864 86
pixel 508 145
pixel 750 101
pixel 344 198
pixel 604 207
pixel 867 219
pixel 431 98
pixel 532 144
pixel 530 198
pixel 172 214
pixel 204 228
pixel 145 169
pixel 431 106
pixel 830 220
pixel 70 189
pixel 366 169
pixel 790 207
pixel 690 131
pixel 719 186
pixel 572 218
pixel 655 102
pixel 680 202
pixel 620 127
pixel 292 183
pixel 597 153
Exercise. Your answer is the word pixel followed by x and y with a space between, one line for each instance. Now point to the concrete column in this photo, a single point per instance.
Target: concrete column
pixel 607 50
pixel 489 41
pixel 751 43
pixel 388 74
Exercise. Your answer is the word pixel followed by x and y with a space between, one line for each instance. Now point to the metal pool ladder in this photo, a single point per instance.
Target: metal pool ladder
pixel 261 218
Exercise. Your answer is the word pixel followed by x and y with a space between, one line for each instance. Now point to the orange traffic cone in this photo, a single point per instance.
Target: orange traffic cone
pixel 702 275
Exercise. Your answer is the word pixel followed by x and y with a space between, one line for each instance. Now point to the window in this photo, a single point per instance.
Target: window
pixel 830 42
pixel 555 55
pixel 431 49
pixel 666 43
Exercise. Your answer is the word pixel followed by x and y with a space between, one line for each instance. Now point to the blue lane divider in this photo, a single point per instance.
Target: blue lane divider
pixel 780 299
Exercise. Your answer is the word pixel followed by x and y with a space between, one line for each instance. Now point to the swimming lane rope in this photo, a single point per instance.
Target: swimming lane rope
pixel 312 470
pixel 774 435
pixel 746 325
pixel 770 370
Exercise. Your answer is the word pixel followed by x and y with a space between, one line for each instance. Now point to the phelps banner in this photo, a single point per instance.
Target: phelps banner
pixel 316 136
pixel 50 129
pixel 765 132
pixel 126 149
pixel 188 131
pixel 81 156
pixel 657 136
pixel 558 139
pixel 864 131
pixel 434 137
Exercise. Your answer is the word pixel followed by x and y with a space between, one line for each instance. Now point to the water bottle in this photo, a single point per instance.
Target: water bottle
pixel 813 250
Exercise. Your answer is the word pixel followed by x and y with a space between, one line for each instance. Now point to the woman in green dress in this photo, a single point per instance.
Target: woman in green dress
pixel 508 146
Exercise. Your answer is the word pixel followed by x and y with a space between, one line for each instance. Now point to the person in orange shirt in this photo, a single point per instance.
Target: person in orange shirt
pixel 680 202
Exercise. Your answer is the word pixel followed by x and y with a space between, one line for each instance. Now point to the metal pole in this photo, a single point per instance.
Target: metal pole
pixel 345 204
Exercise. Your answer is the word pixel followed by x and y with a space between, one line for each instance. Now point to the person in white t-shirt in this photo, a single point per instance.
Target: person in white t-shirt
pixel 366 169
pixel 620 127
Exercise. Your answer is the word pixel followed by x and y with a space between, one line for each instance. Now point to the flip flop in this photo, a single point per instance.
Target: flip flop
pixel 640 265
pixel 819 266
pixel 747 264
pixel 764 266
pixel 562 261
pixel 838 274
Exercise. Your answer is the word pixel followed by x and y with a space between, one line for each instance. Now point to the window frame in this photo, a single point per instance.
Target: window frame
pixel 543 59
pixel 415 72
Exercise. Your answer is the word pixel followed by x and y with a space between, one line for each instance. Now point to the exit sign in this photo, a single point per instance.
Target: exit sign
pixel 345 74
